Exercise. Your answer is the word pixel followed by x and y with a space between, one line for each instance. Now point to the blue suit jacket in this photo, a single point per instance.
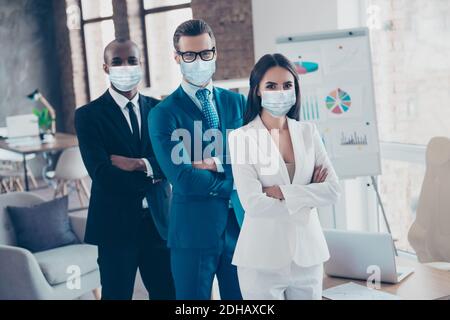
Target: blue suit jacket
pixel 200 198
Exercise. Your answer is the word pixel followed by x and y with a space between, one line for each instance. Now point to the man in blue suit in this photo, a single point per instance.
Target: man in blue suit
pixel 203 226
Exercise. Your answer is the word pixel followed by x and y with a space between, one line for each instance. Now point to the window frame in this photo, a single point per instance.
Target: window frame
pixel 85 22
pixel 144 14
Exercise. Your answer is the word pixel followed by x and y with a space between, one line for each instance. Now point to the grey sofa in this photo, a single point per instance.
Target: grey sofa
pixel 47 274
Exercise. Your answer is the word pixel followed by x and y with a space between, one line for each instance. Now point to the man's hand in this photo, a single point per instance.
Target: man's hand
pixel 320 174
pixel 128 164
pixel 207 164
pixel 274 192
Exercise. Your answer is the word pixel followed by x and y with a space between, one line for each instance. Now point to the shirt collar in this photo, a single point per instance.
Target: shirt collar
pixel 191 90
pixel 121 100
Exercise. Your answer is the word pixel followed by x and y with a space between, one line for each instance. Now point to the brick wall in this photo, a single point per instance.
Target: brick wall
pixel 120 13
pixel 231 22
pixel 135 25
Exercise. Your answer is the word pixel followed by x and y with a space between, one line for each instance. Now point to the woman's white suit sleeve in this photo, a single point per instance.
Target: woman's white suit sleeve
pixel 250 190
pixel 297 196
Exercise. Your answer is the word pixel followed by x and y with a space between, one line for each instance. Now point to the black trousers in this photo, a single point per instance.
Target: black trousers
pixel 118 266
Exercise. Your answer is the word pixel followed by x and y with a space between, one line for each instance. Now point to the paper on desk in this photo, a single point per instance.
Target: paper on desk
pixel 353 291
pixel 24 142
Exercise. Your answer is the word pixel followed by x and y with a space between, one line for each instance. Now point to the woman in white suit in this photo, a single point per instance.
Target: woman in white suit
pixel 282 173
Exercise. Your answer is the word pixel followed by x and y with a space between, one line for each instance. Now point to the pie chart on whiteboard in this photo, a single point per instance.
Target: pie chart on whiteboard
pixel 338 101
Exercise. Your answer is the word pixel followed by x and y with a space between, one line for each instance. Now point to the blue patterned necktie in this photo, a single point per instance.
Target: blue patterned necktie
pixel 208 110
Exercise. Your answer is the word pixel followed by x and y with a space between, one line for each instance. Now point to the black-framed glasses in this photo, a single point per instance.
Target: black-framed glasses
pixel 191 56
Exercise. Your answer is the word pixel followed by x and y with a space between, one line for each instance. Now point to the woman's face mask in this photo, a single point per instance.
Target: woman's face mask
pixel 278 103
pixel 125 78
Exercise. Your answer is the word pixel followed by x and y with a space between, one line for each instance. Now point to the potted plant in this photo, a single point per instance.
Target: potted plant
pixel 44 120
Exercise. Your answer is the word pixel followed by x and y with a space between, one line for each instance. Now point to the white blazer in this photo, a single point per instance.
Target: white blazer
pixel 275 233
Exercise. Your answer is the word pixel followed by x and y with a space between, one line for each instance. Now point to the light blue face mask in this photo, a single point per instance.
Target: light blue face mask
pixel 125 78
pixel 198 72
pixel 278 103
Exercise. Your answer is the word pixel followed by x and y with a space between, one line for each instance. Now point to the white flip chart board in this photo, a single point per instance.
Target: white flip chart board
pixel 336 84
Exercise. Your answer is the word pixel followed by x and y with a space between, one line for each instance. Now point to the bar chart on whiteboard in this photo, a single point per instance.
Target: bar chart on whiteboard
pixel 310 107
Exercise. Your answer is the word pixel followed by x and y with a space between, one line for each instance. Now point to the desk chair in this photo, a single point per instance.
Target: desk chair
pixel 11 168
pixel 70 169
pixel 429 235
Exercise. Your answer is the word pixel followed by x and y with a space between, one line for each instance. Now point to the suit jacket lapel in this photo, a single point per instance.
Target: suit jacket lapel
pixel 188 105
pixel 222 112
pixel 221 108
pixel 298 146
pixel 270 149
pixel 116 116
pixel 144 108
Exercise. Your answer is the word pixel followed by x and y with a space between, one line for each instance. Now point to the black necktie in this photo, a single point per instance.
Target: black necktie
pixel 134 125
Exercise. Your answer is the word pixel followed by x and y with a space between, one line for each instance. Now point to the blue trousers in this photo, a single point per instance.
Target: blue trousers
pixel 193 270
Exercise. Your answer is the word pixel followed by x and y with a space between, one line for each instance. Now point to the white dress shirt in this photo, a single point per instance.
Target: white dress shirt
pixel 122 102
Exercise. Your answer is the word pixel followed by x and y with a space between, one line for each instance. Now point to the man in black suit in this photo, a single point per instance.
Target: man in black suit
pixel 128 209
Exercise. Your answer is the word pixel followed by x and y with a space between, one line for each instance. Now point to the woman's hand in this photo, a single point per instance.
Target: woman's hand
pixel 320 174
pixel 273 192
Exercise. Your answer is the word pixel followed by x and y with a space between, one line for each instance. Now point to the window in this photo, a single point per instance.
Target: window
pixel 98 31
pixel 412 80
pixel 152 4
pixel 162 17
pixel 411 68
pixel 400 187
pixel 93 9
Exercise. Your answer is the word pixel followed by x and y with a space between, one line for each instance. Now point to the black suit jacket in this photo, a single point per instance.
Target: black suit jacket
pixel 115 207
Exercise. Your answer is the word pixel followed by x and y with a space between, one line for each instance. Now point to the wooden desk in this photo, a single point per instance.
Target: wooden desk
pixel 62 141
pixel 425 283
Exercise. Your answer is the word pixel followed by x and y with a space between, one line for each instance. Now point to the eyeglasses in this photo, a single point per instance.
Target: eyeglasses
pixel 191 56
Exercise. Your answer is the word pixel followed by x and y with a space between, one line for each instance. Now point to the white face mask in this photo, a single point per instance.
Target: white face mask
pixel 278 103
pixel 125 78
pixel 198 72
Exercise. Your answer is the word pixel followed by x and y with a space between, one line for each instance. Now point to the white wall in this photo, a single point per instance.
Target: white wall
pixel 350 13
pixel 272 19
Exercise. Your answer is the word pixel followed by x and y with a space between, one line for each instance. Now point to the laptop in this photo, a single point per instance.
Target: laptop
pixel 22 131
pixel 359 255
pixel 22 126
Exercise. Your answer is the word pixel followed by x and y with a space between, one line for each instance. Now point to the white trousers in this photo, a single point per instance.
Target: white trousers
pixel 290 283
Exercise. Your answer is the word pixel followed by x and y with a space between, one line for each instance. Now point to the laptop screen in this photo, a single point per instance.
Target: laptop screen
pixel 22 126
